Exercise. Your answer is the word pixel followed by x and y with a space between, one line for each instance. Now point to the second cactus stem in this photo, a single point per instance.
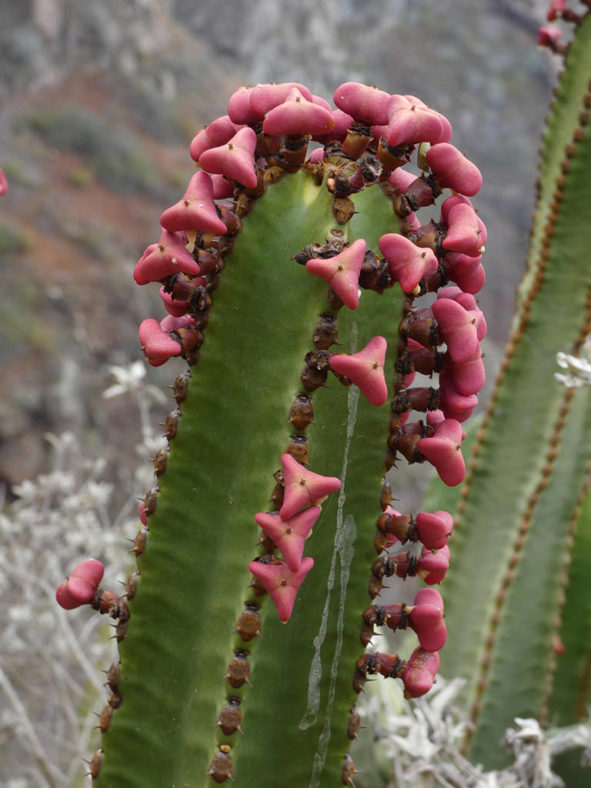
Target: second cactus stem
pixel 291 270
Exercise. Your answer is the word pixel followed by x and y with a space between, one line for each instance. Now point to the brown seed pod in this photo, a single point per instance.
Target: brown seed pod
pixel 301 412
pixel 131 584
pixel 94 765
pixel 325 332
pixel 238 670
pixel 113 677
pixel 105 718
pixel 233 223
pixel 366 665
pixel 334 301
pixel 273 175
pixel 221 767
pixel 160 461
pixel 570 150
pixel 201 302
pixel 298 448
pixel 393 157
pixel 386 496
pixel 278 491
pixel 115 701
pixel 209 261
pixel 315 372
pixel 375 273
pixel 266 543
pixel 375 586
pixel 348 771
pixel 354 724
pixel 230 719
pixel 244 205
pixel 343 209
pixel 370 167
pixel 357 140
pixel 180 387
pixel 367 634
pixel 139 543
pixel 121 631
pixel 150 501
pixel 248 625
pixel 171 424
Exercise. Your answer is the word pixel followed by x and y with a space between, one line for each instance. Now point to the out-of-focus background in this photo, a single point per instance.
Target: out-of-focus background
pixel 98 103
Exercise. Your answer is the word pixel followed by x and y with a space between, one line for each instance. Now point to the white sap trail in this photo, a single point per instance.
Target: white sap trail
pixel 343 551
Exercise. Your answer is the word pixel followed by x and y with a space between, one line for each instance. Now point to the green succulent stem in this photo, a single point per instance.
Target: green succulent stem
pixel 516 533
pixel 194 578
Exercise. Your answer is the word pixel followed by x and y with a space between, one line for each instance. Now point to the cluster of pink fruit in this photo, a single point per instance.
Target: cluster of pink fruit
pixel 368 139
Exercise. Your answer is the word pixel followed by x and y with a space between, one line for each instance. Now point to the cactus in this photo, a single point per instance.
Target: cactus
pixel 515 597
pixel 241 660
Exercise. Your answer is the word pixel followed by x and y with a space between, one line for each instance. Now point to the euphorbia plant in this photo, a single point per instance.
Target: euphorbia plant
pixel 519 586
pixel 293 271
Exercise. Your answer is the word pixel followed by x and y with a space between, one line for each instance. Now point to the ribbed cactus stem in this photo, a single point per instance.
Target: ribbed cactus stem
pixel 245 649
pixel 518 512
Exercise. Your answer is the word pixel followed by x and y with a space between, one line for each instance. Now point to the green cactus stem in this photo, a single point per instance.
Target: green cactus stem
pixel 273 424
pixel 517 548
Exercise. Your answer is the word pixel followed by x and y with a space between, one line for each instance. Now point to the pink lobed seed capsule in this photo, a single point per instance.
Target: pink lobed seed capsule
pixel 234 159
pixel 239 109
pixel 365 369
pixel 81 586
pixel 426 618
pixel 443 451
pixel 174 306
pixel 453 404
pixel 468 377
pixel 199 143
pixel 410 121
pixel 174 323
pixel 290 535
pixel 303 487
pixel 453 170
pixel 266 97
pixel 557 7
pixel 407 262
pixel 419 672
pixel 433 565
pixel 316 156
pixel 169 256
pixel 549 36
pixel 218 132
pixel 195 210
pixel 281 583
pixel 157 346
pixel 222 187
pixel 400 180
pixel 221 130
pixel 3 182
pixel 457 327
pixel 296 116
pixel 341 124
pixel 467 272
pixel 434 528
pixel 470 304
pixel 342 271
pixel 466 232
pixel 367 104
